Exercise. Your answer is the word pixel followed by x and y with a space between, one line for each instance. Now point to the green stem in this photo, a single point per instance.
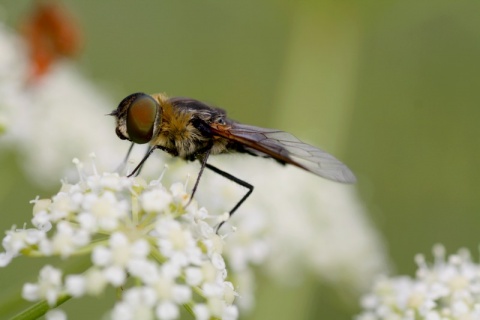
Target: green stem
pixel 29 252
pixel 156 255
pixel 146 222
pixel 189 308
pixel 39 309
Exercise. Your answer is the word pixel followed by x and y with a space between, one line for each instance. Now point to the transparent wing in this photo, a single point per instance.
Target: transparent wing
pixel 286 148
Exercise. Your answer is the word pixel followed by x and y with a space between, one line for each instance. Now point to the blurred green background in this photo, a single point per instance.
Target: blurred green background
pixel 390 87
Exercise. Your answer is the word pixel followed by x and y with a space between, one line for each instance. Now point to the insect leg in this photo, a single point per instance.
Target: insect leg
pixel 203 164
pixel 124 162
pixel 139 166
pixel 236 180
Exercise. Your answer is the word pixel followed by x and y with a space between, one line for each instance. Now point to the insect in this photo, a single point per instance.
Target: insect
pixel 193 130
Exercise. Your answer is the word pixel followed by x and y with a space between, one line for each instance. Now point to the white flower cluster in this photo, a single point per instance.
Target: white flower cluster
pixel 130 229
pixel 446 289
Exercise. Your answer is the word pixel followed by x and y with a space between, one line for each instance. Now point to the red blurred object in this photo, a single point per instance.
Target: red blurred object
pixel 51 33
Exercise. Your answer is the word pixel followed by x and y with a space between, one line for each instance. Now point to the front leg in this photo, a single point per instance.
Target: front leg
pixel 140 165
pixel 122 166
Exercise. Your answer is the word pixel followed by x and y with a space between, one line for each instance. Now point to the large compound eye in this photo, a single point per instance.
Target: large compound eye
pixel 141 118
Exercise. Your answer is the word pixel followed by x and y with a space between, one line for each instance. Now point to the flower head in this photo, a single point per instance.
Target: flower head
pixel 445 289
pixel 129 229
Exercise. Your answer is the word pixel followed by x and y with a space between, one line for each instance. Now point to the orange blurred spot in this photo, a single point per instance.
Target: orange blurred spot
pixel 51 33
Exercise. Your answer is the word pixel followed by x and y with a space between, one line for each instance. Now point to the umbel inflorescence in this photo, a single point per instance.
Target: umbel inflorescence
pixel 161 251
pixel 448 288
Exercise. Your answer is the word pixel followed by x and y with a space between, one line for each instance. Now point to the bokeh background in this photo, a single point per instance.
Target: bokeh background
pixel 390 87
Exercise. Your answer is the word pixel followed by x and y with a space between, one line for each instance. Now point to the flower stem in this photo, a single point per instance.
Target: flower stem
pixel 39 309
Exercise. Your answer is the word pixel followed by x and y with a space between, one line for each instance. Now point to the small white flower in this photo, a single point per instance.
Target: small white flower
pixel 95 282
pixel 218 262
pixel 216 307
pixel 179 194
pixel 209 272
pixel 105 210
pixel 155 200
pixel 144 269
pixel 230 313
pixel 101 256
pixel 5 258
pixel 16 240
pixel 229 293
pixel 193 276
pixel 49 286
pixel 67 239
pixel 116 257
pixel 181 294
pixel 109 181
pixel 126 311
pixel 212 290
pixel 41 220
pixel 201 312
pixel 56 314
pixel 61 206
pixel 141 295
pixel 75 285
pixel 115 275
pixel 167 310
pixel 177 243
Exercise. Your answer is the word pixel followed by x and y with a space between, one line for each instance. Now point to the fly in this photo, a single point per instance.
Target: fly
pixel 193 130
